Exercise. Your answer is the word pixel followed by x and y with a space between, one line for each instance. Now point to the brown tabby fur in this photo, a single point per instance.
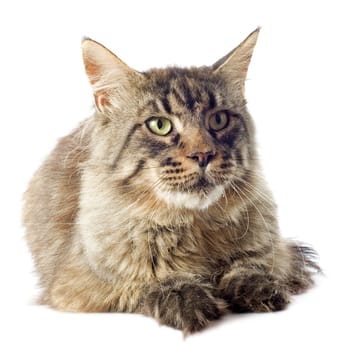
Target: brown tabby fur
pixel 106 231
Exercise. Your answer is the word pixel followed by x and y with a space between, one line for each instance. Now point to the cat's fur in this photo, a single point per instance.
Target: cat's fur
pixel 121 219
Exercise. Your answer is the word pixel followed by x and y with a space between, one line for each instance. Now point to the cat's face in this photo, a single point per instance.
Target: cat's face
pixel 183 135
pixel 193 137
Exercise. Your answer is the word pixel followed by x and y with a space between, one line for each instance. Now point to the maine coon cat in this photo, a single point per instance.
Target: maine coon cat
pixel 156 204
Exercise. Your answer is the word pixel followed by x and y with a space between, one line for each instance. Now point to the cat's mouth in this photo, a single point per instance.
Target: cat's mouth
pixel 193 194
pixel 202 184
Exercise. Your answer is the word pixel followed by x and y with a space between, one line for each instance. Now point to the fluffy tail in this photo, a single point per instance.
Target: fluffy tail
pixel 304 261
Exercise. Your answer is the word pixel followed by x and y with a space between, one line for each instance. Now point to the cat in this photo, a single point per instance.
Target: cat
pixel 157 205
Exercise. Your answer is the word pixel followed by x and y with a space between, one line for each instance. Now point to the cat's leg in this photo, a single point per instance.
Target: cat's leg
pixel 265 282
pixel 78 289
pixel 75 287
pixel 184 303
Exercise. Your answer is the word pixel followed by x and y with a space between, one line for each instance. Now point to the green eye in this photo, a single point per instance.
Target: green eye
pixel 218 121
pixel 159 126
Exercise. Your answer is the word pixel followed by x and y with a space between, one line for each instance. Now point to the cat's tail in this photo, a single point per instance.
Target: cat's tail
pixel 304 265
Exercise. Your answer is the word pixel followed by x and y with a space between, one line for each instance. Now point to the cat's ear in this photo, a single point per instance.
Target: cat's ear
pixel 110 78
pixel 235 64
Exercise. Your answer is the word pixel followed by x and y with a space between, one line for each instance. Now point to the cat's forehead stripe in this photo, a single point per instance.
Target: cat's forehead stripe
pixel 166 104
pixel 179 89
pixel 212 100
pixel 189 94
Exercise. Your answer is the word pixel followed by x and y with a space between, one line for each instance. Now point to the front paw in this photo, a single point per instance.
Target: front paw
pixel 182 304
pixel 255 293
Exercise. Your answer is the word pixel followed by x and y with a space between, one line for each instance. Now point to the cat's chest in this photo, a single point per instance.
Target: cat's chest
pixel 169 248
pixel 188 248
pixel 135 247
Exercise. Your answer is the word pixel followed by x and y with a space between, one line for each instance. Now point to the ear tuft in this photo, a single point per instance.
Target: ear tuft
pixel 235 64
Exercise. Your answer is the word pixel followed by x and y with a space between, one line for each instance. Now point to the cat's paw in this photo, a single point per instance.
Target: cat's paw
pixel 185 305
pixel 255 293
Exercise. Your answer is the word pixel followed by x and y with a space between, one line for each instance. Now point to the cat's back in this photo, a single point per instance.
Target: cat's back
pixel 52 199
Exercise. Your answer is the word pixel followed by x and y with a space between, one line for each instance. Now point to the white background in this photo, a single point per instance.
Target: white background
pixel 298 93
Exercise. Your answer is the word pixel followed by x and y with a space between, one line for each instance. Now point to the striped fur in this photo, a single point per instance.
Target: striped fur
pixel 180 227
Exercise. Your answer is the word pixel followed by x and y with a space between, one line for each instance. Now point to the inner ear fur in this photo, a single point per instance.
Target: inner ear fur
pixel 109 76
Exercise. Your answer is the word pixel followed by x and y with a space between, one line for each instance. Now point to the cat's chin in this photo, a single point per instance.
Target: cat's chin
pixel 192 200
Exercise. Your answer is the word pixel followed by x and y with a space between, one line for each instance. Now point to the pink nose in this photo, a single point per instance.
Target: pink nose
pixel 202 158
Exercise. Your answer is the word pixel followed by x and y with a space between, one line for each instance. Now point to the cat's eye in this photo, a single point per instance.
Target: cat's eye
pixel 218 121
pixel 159 126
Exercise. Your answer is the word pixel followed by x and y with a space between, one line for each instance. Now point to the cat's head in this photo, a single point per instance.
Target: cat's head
pixel 183 135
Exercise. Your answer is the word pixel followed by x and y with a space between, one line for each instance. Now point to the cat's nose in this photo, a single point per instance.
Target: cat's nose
pixel 202 158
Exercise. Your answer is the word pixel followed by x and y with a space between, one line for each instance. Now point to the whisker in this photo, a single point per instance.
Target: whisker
pixel 266 226
pixel 246 210
pixel 255 191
